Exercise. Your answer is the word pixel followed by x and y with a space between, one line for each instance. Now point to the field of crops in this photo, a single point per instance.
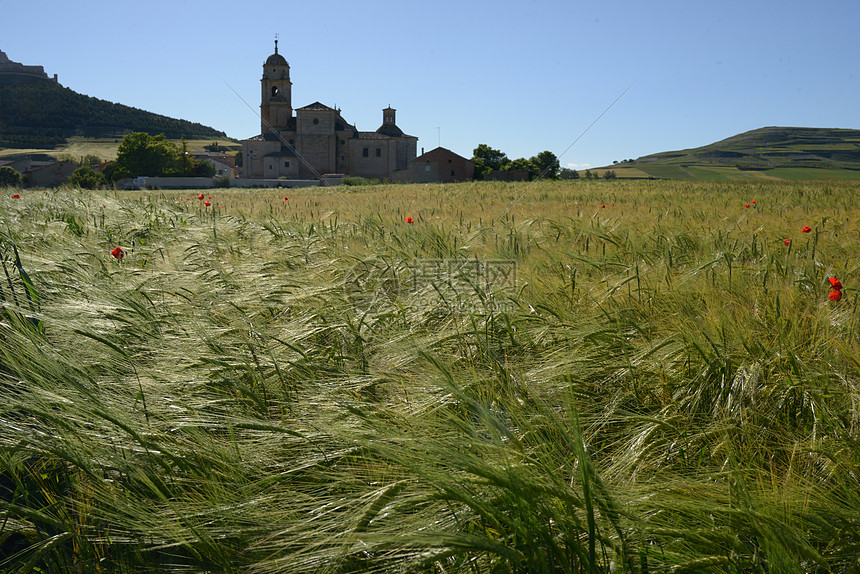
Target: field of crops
pixel 588 376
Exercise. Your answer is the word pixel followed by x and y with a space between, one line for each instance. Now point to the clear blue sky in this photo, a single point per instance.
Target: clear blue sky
pixel 522 77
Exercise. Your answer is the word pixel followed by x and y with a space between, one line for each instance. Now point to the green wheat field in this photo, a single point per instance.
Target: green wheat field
pixel 628 376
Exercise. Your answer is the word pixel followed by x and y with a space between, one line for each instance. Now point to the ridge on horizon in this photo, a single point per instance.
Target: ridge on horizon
pixel 38 112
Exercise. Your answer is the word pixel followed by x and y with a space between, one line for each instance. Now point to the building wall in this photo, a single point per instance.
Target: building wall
pixel 51 175
pixel 316 141
pixel 370 158
pixel 441 165
pixel 281 166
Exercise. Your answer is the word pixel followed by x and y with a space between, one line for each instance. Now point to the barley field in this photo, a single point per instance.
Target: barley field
pixel 582 377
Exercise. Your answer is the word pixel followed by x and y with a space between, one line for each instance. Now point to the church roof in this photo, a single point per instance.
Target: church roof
pixel 316 106
pixel 390 130
pixel 266 137
pixel 276 60
pixel 379 136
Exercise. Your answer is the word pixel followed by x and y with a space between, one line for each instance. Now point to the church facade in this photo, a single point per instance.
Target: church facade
pixel 317 140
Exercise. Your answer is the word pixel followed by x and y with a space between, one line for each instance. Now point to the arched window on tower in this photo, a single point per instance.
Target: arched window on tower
pixel 274 91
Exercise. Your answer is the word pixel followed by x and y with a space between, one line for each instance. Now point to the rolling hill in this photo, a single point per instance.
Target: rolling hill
pixel 769 153
pixel 39 113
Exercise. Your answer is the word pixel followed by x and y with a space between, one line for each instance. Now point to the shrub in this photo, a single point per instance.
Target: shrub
pixel 10 177
pixel 86 177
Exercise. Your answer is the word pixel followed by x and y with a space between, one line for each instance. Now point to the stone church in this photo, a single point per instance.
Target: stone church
pixel 317 140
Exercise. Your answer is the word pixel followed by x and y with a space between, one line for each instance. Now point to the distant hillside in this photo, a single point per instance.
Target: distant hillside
pixel 39 113
pixel 770 153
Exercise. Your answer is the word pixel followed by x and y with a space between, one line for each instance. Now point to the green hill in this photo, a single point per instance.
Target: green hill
pixel 39 113
pixel 770 153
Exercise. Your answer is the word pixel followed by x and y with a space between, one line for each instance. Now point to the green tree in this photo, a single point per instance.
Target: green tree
pixel 143 154
pixel 91 160
pixel 113 172
pixel 567 173
pixel 547 165
pixel 185 163
pixel 10 177
pixel 85 177
pixel 523 164
pixel 203 168
pixel 487 159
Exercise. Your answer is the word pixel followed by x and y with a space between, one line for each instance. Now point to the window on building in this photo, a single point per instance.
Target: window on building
pixel 286 164
pixel 379 152
pixel 364 152
pixel 452 173
pixel 316 121
pixel 274 91
pixel 449 161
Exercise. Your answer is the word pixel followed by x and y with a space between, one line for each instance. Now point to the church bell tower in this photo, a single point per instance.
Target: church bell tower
pixel 276 107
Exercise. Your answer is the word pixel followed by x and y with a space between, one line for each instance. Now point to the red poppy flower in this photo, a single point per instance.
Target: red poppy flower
pixel 602 206
pixel 747 205
pixel 753 201
pixel 835 283
pixel 806 229
pixel 16 196
pixel 207 203
pixel 118 253
pixel 200 197
pixel 787 241
pixel 210 197
pixel 286 199
pixel 410 220
pixel 835 295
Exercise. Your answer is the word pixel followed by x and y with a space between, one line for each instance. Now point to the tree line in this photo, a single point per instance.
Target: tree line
pixel 143 154
pixel 544 165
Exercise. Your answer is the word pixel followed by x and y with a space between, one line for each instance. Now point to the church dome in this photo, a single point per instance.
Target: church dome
pixel 276 60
